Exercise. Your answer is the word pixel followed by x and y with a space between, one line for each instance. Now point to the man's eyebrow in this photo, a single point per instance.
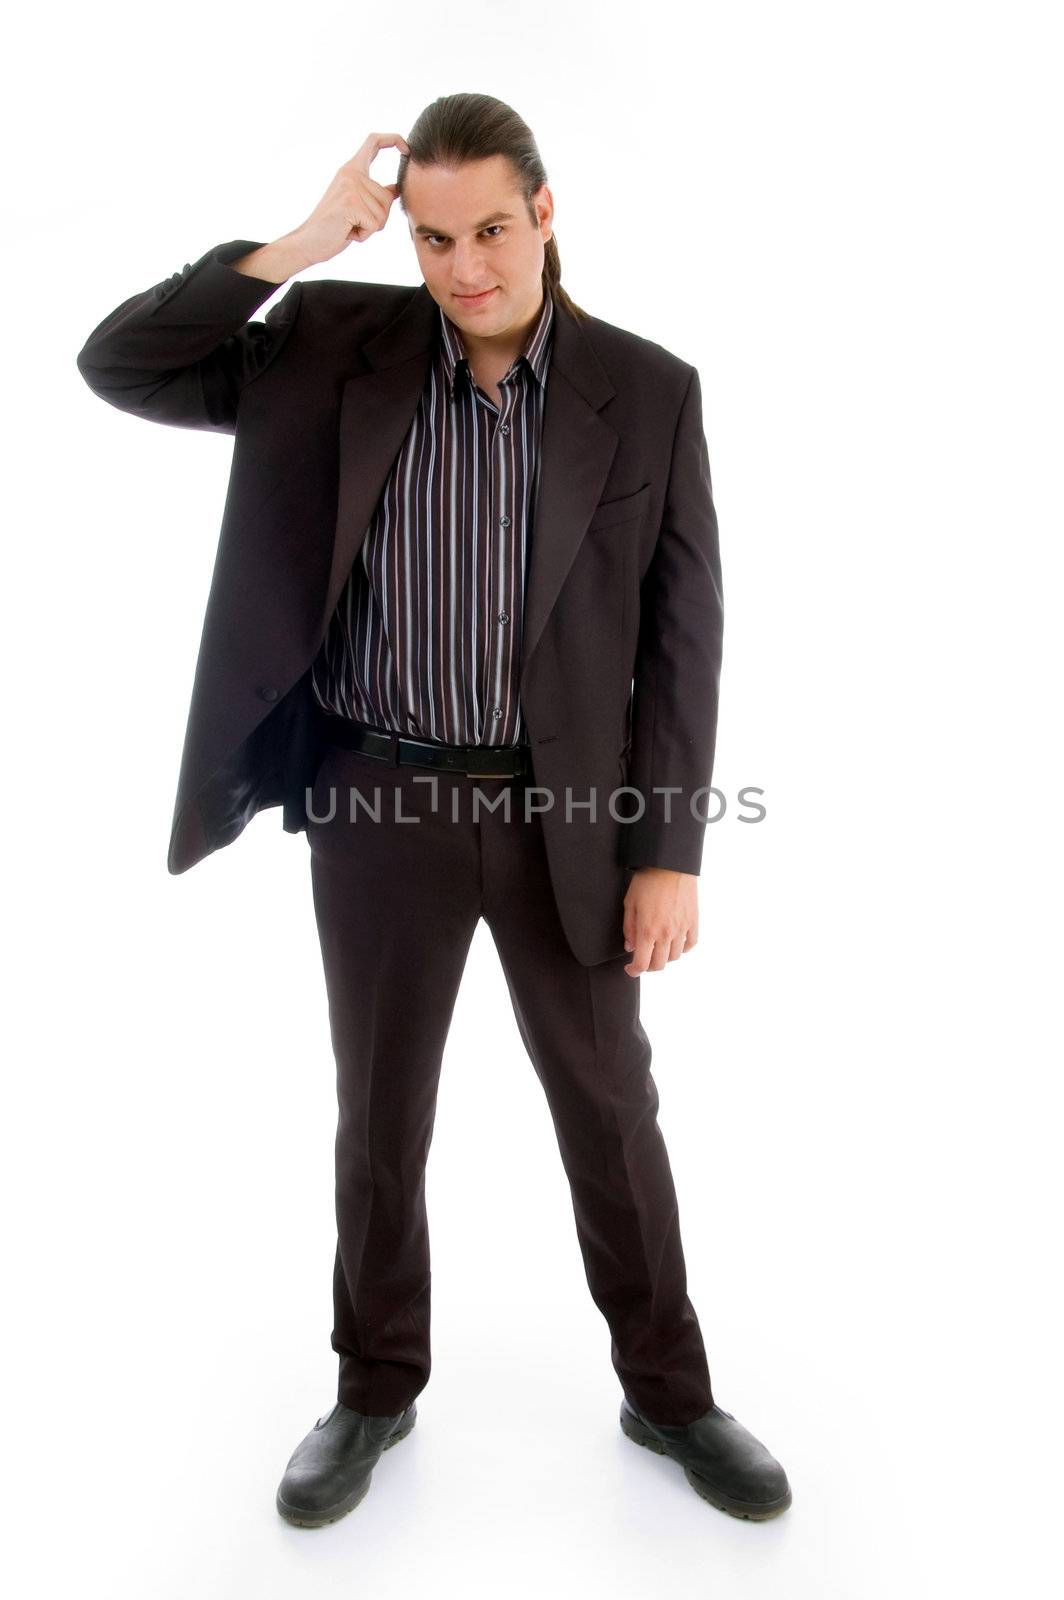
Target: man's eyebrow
pixel 496 216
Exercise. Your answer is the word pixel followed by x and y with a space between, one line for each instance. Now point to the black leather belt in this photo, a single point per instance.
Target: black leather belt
pixel 474 760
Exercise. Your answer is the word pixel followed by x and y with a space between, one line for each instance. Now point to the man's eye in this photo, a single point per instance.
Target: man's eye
pixel 432 237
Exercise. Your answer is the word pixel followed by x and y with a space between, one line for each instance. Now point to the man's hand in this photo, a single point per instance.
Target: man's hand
pixel 660 917
pixel 353 207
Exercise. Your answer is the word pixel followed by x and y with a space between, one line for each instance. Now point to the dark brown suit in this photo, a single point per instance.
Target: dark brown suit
pixel 619 679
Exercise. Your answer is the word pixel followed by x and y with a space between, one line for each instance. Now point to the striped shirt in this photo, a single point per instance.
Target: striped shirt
pixel 426 636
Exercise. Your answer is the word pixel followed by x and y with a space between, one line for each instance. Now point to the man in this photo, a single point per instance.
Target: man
pixel 467 589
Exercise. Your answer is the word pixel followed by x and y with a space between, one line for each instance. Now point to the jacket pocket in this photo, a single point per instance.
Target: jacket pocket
pixel 625 509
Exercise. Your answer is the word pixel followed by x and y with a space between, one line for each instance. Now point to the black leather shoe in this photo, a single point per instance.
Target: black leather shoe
pixel 720 1458
pixel 330 1471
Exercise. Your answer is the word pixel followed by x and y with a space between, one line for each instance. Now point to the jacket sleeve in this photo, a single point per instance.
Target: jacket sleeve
pixel 181 351
pixel 678 660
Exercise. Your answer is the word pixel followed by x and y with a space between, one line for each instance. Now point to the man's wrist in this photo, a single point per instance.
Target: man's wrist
pixel 273 263
pixel 672 871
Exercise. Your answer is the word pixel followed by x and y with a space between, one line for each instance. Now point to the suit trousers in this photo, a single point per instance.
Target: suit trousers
pixel 396 903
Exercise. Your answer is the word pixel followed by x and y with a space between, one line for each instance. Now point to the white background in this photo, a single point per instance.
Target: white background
pixel 847 217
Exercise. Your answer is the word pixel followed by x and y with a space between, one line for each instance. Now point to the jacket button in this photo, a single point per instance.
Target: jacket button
pixel 268 692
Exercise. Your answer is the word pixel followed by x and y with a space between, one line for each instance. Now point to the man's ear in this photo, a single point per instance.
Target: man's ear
pixel 543 203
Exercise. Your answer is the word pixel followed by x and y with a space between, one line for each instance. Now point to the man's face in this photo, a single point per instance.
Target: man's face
pixel 472 232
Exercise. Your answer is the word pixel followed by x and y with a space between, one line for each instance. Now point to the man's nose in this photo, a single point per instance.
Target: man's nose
pixel 468 272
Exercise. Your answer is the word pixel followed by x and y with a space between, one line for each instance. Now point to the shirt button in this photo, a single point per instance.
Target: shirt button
pixel 504 616
pixel 497 713
pixel 505 521
pixel 504 427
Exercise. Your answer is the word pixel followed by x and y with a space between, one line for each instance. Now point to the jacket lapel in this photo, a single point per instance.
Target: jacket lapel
pixel 577 449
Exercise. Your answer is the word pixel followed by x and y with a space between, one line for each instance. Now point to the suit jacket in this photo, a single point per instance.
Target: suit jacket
pixel 622 638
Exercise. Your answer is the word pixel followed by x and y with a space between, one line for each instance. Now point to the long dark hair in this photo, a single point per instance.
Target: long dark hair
pixel 472 127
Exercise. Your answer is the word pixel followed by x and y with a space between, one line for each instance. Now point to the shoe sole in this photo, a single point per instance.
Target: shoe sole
pixel 303 1519
pixel 751 1510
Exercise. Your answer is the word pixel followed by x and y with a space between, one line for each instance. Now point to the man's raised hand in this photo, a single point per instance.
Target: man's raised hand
pixel 353 207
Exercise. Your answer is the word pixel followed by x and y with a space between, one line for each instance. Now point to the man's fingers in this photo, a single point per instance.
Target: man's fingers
pixel 644 949
pixel 384 192
pixel 377 211
pixel 660 920
pixel 653 954
pixel 640 960
pixel 373 144
pixel 650 955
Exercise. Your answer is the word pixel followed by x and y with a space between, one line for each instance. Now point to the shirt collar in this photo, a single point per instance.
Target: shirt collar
pixel 536 351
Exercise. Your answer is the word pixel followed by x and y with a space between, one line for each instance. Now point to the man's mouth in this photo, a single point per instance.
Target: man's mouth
pixel 475 299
